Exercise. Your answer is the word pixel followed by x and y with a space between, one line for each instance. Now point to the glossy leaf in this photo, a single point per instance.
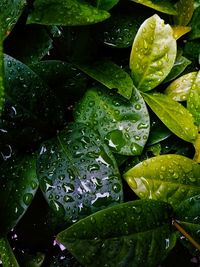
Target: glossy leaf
pixel 78 173
pixel 151 62
pixel 123 124
pixel 195 24
pixel 185 10
pixel 173 115
pixel 162 5
pixel 135 234
pixel 171 178
pixel 179 31
pixel 18 186
pixel 110 75
pixel 66 13
pixel 179 89
pixel 7 256
pixel 192 51
pixel 179 66
pixel 104 4
pixel 10 12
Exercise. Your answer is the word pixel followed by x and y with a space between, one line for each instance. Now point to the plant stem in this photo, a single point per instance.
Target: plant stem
pixel 197 149
pixel 6 254
pixel 183 232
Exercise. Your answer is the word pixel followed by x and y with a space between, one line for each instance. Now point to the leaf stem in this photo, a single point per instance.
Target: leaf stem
pixel 183 232
pixel 6 254
pixel 197 148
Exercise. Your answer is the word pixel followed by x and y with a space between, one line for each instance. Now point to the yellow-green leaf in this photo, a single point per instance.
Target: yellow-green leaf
pixel 179 31
pixel 185 9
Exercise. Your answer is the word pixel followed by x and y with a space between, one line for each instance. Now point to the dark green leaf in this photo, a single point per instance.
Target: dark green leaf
pixel 161 5
pixel 78 173
pixel 192 51
pixel 195 24
pixel 135 234
pixel 104 4
pixel 122 123
pixel 173 115
pixel 110 75
pixel 185 10
pixel 1 76
pixel 170 178
pixel 151 62
pixel 18 185
pixel 7 257
pixel 67 13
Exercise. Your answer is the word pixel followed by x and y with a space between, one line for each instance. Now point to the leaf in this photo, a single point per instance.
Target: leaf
pixel 78 173
pixel 66 13
pixel 192 50
pixel 10 12
pixel 162 5
pixel 135 233
pixel 173 115
pixel 179 31
pixel 193 101
pixel 195 32
pixel 151 62
pixel 123 124
pixel 104 4
pixel 7 256
pixel 1 76
pixel 185 10
pixel 179 89
pixel 18 185
pixel 171 178
pixel 110 75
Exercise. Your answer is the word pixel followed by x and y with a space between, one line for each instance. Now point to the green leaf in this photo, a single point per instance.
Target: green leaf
pixel 66 13
pixel 179 89
pixel 161 5
pixel 185 10
pixel 195 24
pixel 1 76
pixel 110 75
pixel 104 4
pixel 18 185
pixel 78 173
pixel 135 233
pixel 173 115
pixel 193 101
pixel 10 12
pixel 123 124
pixel 7 256
pixel 179 66
pixel 171 178
pixel 151 62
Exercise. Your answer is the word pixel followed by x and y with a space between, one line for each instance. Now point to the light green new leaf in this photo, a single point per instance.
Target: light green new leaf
pixel 110 75
pixel 185 10
pixel 67 13
pixel 171 178
pixel 135 233
pixel 179 89
pixel 176 117
pixel 161 5
pixel 193 102
pixel 153 53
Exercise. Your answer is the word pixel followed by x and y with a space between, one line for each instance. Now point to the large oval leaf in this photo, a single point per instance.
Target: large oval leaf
pixel 151 62
pixel 110 75
pixel 67 13
pixel 195 24
pixel 18 185
pixel 173 115
pixel 78 173
pixel 171 178
pixel 185 10
pixel 123 124
pixel 135 234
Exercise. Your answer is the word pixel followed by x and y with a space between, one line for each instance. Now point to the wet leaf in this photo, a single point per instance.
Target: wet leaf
pixel 165 108
pixel 123 124
pixel 151 62
pixel 18 185
pixel 185 10
pixel 134 233
pixel 104 4
pixel 195 25
pixel 66 13
pixel 6 254
pixel 180 88
pixel 179 31
pixel 171 178
pixel 110 75
pixel 162 5
pixel 78 173
pixel 1 76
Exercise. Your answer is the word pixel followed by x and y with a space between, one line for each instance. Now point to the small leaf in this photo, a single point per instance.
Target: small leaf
pixel 185 10
pixel 151 62
pixel 179 89
pixel 66 13
pixel 193 101
pixel 179 31
pixel 123 124
pixel 135 233
pixel 162 5
pixel 195 25
pixel 78 173
pixel 171 178
pixel 110 75
pixel 18 186
pixel 173 115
